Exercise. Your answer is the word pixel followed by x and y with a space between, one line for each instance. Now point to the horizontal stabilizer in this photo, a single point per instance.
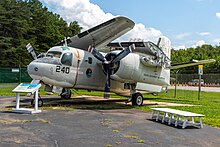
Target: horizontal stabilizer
pixel 191 63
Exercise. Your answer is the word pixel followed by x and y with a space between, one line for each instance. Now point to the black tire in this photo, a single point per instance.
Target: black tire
pixel 67 95
pixel 40 102
pixel 137 99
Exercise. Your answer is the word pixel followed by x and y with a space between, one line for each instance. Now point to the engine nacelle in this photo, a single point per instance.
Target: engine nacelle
pixel 132 70
pixel 128 66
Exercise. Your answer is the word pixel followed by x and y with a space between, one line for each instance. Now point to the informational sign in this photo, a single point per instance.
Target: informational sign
pixel 200 69
pixel 29 88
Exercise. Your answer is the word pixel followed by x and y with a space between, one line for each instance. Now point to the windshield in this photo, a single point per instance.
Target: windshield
pixel 67 59
pixel 55 54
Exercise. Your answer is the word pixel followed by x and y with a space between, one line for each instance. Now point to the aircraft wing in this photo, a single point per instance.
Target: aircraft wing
pixel 191 63
pixel 102 34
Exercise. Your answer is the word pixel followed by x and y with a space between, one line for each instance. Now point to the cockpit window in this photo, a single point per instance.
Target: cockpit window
pixel 55 54
pixel 67 59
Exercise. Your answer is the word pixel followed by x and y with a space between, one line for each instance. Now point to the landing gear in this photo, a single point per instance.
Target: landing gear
pixel 40 101
pixel 66 93
pixel 137 99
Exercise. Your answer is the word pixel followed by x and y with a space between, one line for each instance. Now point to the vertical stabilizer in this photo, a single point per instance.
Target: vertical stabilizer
pixel 165 44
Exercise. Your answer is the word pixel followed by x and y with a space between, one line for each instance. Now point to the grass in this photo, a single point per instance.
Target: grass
pixel 6 89
pixel 208 105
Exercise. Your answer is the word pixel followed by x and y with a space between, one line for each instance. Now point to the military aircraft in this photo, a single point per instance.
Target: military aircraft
pixel 91 61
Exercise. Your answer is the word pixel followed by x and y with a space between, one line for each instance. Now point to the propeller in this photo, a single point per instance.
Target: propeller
pixel 31 51
pixel 110 63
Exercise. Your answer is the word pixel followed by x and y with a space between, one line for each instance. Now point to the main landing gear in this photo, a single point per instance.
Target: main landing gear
pixel 137 99
pixel 66 93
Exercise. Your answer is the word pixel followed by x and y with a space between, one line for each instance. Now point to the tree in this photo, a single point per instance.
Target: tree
pixel 23 22
pixel 198 53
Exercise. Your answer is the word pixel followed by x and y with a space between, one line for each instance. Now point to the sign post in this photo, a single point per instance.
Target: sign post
pixel 200 73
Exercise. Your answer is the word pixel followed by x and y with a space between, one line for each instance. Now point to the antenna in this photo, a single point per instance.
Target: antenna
pixel 65 41
pixel 158 43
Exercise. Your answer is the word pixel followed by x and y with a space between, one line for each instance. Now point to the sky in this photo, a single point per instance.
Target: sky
pixel 187 23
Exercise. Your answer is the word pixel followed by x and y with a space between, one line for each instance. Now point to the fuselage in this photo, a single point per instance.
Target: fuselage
pixel 75 68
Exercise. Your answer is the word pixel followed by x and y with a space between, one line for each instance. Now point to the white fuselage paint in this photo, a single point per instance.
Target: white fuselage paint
pixel 131 70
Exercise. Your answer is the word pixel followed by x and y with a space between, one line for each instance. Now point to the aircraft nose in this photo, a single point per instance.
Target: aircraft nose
pixel 34 70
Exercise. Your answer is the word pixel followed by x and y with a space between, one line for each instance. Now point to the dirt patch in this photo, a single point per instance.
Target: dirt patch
pixel 146 102
pixel 121 101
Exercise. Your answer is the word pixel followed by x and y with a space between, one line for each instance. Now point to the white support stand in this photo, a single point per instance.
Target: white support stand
pixel 26 88
pixel 170 119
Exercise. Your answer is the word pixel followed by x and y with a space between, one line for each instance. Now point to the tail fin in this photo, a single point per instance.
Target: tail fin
pixel 165 44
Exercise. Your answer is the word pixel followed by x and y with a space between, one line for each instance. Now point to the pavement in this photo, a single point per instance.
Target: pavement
pixel 95 127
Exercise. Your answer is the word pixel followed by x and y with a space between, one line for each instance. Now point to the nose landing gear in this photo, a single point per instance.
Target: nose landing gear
pixel 66 93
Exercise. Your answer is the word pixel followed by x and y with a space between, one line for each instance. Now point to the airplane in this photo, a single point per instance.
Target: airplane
pixel 91 61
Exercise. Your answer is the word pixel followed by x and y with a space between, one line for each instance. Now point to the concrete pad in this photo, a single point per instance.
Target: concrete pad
pixel 117 127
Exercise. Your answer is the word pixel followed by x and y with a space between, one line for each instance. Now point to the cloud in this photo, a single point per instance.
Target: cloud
pixel 217 40
pixel 194 45
pixel 182 36
pixel 199 43
pixel 179 47
pixel 217 15
pixel 86 13
pixel 89 15
pixel 140 32
pixel 204 33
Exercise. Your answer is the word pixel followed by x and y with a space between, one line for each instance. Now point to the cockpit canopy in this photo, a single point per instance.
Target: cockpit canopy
pixel 62 53
pixel 67 59
pixel 54 54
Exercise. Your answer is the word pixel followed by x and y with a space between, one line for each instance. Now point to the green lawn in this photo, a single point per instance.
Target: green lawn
pixel 6 89
pixel 209 103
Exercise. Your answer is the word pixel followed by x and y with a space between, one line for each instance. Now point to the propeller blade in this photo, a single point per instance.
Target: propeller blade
pixel 96 54
pixel 31 51
pixel 124 53
pixel 107 85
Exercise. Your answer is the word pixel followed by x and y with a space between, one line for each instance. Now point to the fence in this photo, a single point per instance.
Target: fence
pixel 14 75
pixel 209 79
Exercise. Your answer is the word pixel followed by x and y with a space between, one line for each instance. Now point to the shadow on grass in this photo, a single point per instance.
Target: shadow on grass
pixel 79 103
pixel 85 103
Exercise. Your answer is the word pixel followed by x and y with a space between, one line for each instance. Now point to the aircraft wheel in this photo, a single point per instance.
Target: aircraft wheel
pixel 66 93
pixel 40 102
pixel 137 99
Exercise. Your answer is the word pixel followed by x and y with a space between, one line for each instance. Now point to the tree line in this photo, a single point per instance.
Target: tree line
pixel 199 53
pixel 28 21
